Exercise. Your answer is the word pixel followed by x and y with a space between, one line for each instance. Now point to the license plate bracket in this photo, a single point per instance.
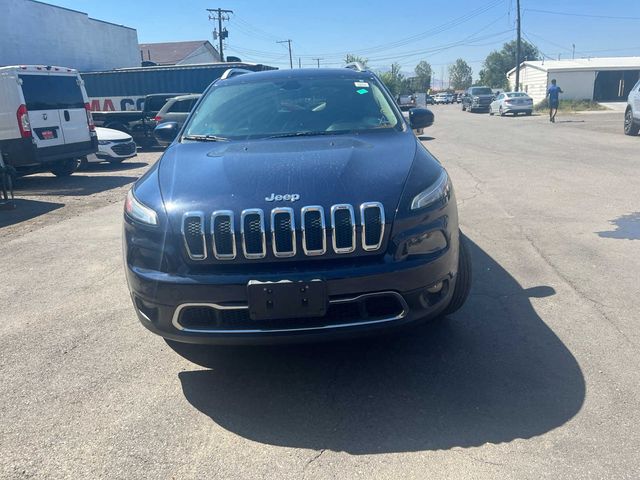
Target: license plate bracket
pixel 287 299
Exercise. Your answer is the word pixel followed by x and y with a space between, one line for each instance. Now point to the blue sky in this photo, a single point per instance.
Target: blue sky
pixel 405 31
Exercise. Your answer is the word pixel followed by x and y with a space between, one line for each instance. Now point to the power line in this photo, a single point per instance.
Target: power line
pixel 580 14
pixel 419 36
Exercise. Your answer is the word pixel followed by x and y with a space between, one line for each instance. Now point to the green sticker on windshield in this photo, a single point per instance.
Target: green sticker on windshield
pixel 362 91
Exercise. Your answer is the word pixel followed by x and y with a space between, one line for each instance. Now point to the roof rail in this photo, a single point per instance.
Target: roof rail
pixel 234 72
pixel 357 66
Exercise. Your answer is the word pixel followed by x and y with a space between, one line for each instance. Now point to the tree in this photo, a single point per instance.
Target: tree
pixel 350 58
pixel 423 76
pixel 499 62
pixel 460 75
pixel 394 80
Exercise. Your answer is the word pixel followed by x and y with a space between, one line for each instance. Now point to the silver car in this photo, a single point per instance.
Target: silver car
pixel 511 102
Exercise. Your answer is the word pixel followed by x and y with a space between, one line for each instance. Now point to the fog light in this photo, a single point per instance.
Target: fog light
pixel 435 288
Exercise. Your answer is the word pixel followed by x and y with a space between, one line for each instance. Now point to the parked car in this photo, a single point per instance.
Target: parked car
pixel 137 123
pixel 511 102
pixel 275 215
pixel 429 100
pixel 441 98
pixel 459 97
pixel 114 146
pixel 45 122
pixel 177 110
pixel 477 98
pixel 406 102
pixel 632 112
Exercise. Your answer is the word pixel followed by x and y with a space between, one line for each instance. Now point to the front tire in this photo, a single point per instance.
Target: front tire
pixel 65 168
pixel 464 108
pixel 630 127
pixel 463 278
pixel 501 112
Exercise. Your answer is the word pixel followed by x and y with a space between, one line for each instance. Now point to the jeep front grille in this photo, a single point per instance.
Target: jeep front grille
pixel 314 230
pixel 283 233
pixel 343 224
pixel 193 234
pixel 254 243
pixel 223 234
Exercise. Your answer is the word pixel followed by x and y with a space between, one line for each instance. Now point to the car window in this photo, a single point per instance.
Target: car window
pixel 500 97
pixel 481 91
pixel 266 108
pixel 51 92
pixel 182 106
pixel 154 104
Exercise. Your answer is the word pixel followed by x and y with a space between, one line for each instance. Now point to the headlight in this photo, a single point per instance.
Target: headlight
pixel 440 191
pixel 138 211
pixel 104 142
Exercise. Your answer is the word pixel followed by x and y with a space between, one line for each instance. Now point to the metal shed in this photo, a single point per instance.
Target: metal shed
pixel 604 79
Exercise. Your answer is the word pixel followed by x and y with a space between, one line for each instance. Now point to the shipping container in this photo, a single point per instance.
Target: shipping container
pixel 125 88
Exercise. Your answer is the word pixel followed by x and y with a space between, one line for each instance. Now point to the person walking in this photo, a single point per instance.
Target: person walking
pixel 553 93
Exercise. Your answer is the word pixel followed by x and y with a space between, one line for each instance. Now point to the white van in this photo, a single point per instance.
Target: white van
pixel 45 122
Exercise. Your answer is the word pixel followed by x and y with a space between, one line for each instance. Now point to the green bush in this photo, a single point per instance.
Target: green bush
pixel 570 105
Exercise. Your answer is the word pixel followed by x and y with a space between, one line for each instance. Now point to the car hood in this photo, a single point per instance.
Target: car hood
pixel 323 171
pixel 111 134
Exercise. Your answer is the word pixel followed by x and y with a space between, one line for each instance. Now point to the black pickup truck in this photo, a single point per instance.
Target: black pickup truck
pixel 137 123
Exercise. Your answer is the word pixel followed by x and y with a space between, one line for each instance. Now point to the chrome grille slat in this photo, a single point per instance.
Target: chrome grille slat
pixel 193 235
pixel 283 236
pixel 283 232
pixel 314 230
pixel 252 230
pixel 372 223
pixel 343 226
pixel 223 235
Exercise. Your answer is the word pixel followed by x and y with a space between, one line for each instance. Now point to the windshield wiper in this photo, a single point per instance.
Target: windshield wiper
pixel 205 138
pixel 304 134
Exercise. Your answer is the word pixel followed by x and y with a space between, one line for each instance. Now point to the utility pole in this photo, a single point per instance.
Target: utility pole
pixel 299 62
pixel 318 60
pixel 573 51
pixel 517 89
pixel 220 15
pixel 290 57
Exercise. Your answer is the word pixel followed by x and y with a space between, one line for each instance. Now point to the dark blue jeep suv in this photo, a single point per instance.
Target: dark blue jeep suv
pixel 293 205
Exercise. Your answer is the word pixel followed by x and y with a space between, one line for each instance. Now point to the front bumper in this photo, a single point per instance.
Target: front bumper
pixel 160 297
pixel 107 152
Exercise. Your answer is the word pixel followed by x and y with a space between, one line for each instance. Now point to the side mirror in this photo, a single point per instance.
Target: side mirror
pixel 420 118
pixel 166 133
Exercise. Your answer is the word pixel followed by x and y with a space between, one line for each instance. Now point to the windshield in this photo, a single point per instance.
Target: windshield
pixel 516 94
pixel 481 91
pixel 292 106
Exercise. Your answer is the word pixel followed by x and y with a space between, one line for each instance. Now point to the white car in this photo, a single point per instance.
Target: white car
pixel 632 113
pixel 114 146
pixel 511 102
pixel 441 98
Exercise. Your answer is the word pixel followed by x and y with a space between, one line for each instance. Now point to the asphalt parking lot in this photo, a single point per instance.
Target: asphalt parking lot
pixel 536 377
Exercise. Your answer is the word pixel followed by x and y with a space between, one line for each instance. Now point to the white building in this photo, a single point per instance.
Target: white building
pixel 606 79
pixel 42 34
